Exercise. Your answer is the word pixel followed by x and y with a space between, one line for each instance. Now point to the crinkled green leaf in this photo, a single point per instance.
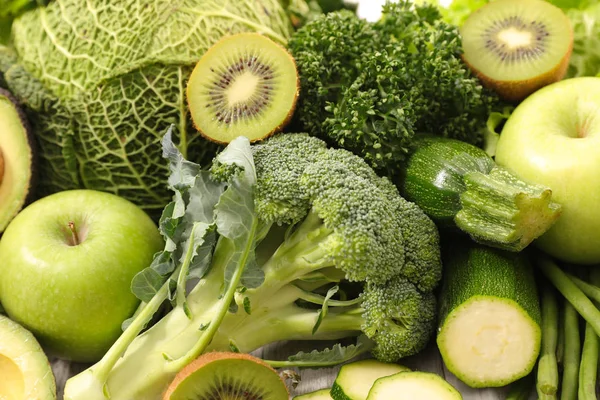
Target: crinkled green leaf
pixel 585 58
pixel 201 243
pixel 112 79
pixel 235 216
pixel 163 263
pixel 326 358
pixel 183 172
pixel 146 283
pixel 203 196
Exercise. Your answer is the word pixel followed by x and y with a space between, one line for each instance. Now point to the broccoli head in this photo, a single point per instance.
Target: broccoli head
pixel 373 87
pixel 307 243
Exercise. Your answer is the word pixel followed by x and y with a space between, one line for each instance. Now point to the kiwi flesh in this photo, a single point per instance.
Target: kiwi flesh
pixel 244 85
pixel 517 46
pixel 227 376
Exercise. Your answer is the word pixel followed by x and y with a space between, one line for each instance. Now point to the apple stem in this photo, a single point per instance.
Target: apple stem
pixel 74 235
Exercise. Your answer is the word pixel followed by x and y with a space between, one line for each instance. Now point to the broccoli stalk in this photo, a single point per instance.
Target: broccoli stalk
pixel 289 240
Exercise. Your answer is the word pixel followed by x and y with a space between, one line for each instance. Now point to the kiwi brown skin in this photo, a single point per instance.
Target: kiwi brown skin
pixel 207 359
pixel 516 91
pixel 278 128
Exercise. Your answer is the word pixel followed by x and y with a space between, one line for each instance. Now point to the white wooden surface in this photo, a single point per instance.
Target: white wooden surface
pixel 429 360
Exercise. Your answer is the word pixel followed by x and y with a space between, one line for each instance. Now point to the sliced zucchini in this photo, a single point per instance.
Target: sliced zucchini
pixel 322 394
pixel 354 380
pixel 490 331
pixel 413 386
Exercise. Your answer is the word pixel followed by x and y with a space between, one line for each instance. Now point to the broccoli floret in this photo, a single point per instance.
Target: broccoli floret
pixel 373 87
pixel 279 164
pixel 398 317
pixel 308 243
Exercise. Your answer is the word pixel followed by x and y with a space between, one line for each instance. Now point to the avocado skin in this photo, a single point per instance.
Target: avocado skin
pixel 20 346
pixel 30 196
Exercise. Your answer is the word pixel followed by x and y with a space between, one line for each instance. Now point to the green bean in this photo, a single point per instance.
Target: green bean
pixel 591 291
pixel 589 365
pixel 572 353
pixel 547 374
pixel 570 291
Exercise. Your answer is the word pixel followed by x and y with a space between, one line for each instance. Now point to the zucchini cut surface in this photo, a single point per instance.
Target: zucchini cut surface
pixel 489 341
pixel 413 386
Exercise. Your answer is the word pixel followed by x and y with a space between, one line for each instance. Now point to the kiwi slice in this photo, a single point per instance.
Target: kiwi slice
pixel 227 376
pixel 244 85
pixel 517 46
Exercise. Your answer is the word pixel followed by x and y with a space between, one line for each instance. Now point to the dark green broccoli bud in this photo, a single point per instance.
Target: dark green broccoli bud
pixel 408 78
pixel 279 163
pixel 366 242
pixel 398 318
pixel 328 52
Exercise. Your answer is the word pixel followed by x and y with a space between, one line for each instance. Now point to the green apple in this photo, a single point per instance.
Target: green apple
pixel 553 139
pixel 67 262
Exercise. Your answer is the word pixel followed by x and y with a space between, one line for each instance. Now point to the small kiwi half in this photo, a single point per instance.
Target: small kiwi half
pixel 517 46
pixel 227 376
pixel 244 85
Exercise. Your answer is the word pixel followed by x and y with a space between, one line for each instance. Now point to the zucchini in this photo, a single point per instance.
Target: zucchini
pixel 354 380
pixel 413 386
pixel 459 185
pixel 489 333
pixel 322 394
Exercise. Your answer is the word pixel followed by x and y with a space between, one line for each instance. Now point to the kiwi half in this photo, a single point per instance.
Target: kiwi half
pixel 227 376
pixel 244 85
pixel 517 46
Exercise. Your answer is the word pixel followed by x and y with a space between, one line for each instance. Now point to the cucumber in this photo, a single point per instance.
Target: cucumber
pixel 413 386
pixel 354 380
pixel 322 394
pixel 489 333
pixel 459 185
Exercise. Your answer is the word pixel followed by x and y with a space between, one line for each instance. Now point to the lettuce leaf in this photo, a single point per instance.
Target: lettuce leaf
pixel 585 60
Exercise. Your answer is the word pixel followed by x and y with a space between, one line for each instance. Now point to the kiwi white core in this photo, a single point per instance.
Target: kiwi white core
pixel 242 88
pixel 515 40
pixel 489 340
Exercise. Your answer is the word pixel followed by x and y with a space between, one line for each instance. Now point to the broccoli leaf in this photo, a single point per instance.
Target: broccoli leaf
pixel 235 215
pixel 328 357
pixel 146 284
pixel 325 307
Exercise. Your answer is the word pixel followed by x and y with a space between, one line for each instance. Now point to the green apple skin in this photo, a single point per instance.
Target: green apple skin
pixel 73 298
pixel 553 139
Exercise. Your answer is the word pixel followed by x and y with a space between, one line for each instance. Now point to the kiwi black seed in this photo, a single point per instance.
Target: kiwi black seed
pixel 244 85
pixel 517 46
pixel 227 376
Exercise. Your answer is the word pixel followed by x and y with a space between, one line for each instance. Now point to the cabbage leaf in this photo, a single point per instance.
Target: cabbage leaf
pixel 104 79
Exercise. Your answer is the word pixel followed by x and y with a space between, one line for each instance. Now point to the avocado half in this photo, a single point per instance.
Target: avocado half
pixel 25 372
pixel 16 159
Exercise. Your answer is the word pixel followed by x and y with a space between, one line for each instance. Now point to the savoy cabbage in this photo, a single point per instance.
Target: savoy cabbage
pixel 104 79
